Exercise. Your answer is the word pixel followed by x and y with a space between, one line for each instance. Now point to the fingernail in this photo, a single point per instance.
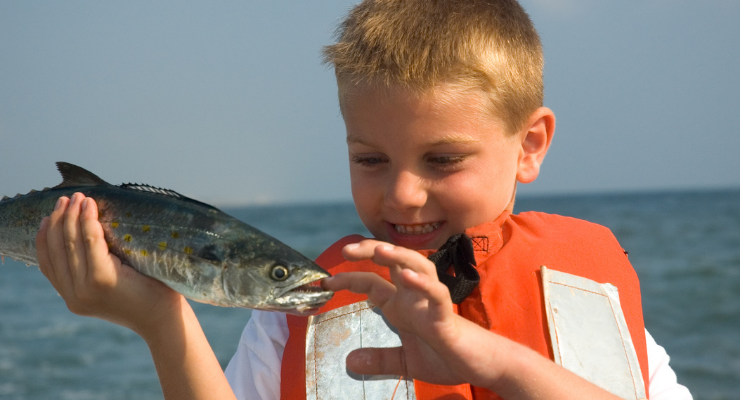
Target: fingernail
pixel 326 281
pixel 59 203
pixel 352 246
pixel 387 247
pixel 84 204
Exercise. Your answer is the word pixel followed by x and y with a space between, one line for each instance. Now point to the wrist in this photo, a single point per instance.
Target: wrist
pixel 517 362
pixel 489 361
pixel 166 321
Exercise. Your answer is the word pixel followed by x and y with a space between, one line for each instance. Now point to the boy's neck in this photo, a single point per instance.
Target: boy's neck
pixel 510 206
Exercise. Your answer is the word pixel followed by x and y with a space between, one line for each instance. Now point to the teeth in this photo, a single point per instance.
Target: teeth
pixel 417 229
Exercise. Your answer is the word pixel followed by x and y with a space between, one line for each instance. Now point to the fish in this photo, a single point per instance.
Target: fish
pixel 192 247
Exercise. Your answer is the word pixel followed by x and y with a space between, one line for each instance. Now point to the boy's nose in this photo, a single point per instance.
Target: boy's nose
pixel 405 191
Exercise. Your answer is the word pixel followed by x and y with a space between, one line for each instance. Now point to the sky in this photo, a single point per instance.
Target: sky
pixel 228 101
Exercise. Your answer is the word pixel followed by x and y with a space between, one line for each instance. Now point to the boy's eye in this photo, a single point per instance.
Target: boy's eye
pixel 445 162
pixel 368 161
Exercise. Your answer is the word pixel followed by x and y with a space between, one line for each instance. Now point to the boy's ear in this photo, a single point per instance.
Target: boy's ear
pixel 536 137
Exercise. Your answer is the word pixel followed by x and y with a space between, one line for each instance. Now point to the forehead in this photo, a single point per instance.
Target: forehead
pixel 445 112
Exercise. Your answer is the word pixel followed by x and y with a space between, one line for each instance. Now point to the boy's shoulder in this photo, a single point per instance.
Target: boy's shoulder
pixel 542 231
pixel 542 223
pixel 559 241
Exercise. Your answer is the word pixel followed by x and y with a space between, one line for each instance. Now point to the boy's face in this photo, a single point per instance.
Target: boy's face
pixel 424 168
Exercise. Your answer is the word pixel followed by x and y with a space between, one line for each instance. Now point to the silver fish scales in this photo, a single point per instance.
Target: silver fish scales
pixel 190 246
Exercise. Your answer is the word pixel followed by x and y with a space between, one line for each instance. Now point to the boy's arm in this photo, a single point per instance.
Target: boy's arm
pixel 255 369
pixel 439 346
pixel 185 363
pixel 74 256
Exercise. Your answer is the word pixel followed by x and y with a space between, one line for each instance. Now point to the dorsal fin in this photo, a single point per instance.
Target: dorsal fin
pixel 76 176
pixel 73 175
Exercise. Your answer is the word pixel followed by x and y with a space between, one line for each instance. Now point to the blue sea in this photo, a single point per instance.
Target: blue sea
pixel 685 247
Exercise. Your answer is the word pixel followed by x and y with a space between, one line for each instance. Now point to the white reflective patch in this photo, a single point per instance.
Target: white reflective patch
pixel 589 334
pixel 330 338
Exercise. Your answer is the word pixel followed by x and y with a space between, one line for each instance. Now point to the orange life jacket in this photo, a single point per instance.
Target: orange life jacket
pixel 508 301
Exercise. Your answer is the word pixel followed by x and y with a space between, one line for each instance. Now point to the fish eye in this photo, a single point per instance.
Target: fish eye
pixel 279 273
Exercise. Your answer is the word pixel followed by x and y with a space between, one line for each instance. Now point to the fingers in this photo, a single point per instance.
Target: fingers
pixel 377 361
pixel 42 253
pixel 377 289
pixel 96 248
pixel 56 250
pixel 76 253
pixel 409 269
pixel 394 257
pixel 70 244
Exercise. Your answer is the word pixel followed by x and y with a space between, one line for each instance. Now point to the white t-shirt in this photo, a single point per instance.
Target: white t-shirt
pixel 254 371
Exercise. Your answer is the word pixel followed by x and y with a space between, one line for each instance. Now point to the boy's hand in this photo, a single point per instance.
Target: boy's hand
pixel 438 346
pixel 73 255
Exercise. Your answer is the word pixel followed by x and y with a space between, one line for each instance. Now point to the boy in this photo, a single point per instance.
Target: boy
pixel 443 107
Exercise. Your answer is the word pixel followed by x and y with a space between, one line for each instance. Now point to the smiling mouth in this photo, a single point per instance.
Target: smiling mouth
pixel 416 229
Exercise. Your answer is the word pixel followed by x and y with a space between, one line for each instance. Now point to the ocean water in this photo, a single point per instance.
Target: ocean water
pixel 685 247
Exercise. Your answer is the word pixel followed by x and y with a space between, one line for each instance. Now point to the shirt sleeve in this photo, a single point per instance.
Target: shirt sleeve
pixel 663 382
pixel 254 370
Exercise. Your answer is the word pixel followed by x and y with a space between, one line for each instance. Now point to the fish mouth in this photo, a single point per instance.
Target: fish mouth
pixel 305 297
pixel 306 288
pixel 309 284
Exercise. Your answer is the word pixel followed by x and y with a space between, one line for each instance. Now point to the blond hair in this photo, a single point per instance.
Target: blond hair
pixel 489 45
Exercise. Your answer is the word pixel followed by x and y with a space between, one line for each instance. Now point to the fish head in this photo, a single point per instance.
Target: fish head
pixel 274 277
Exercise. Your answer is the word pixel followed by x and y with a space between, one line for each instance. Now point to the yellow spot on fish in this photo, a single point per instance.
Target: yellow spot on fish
pixel 127 251
pixel 128 214
pixel 175 235
pixel 162 245
pixel 145 228
pixel 114 224
pixel 188 250
pixel 144 253
pixel 127 238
